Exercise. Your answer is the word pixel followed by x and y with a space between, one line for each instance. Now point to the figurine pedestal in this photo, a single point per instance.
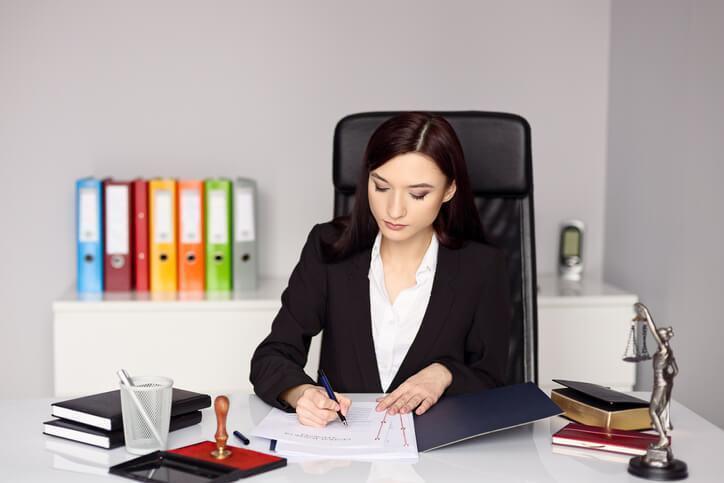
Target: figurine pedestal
pixel 670 469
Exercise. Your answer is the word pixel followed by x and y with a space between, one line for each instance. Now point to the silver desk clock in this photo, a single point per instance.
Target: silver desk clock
pixel 570 250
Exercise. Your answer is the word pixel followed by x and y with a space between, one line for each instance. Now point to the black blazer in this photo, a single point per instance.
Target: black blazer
pixel 466 325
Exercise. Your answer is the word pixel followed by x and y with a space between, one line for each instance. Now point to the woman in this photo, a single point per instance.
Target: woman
pixel 411 299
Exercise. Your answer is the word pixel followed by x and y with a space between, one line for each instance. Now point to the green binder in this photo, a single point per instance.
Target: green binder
pixel 217 203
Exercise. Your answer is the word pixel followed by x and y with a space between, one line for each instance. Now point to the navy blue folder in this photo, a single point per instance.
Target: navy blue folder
pixel 455 418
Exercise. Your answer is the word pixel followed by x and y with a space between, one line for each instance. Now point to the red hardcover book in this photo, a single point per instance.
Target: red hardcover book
pixel 118 254
pixel 613 440
pixel 140 224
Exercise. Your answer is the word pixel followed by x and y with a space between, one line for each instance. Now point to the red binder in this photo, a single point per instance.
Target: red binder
pixel 117 251
pixel 140 225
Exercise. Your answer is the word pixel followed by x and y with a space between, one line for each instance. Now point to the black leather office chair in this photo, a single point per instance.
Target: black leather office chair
pixel 498 155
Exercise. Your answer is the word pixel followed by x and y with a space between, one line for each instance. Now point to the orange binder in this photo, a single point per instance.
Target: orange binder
pixel 190 205
pixel 162 227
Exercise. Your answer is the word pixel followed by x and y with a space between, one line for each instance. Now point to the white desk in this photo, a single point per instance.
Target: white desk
pixel 519 455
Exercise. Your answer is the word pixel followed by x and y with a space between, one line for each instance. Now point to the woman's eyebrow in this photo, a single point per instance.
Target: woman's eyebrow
pixel 418 185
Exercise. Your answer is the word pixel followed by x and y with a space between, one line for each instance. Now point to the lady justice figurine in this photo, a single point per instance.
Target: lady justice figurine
pixel 659 462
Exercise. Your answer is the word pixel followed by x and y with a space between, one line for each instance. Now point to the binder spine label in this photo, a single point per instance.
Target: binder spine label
pixel 117 220
pixel 244 215
pixel 218 217
pixel 163 221
pixel 190 216
pixel 89 216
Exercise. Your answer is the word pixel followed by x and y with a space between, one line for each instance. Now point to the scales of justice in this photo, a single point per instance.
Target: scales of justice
pixel 658 463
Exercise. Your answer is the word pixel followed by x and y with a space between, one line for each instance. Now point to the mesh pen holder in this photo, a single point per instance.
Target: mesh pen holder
pixel 154 394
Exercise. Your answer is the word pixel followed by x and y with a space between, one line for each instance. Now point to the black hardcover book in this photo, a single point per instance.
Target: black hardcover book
pixel 599 396
pixel 107 439
pixel 104 410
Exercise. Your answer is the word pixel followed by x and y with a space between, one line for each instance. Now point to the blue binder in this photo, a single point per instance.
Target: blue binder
pixel 89 234
pixel 455 418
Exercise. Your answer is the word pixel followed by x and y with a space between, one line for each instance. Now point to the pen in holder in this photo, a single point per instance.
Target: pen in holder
pixel 146 409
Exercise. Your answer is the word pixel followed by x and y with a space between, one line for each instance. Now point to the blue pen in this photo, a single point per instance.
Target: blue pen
pixel 325 382
pixel 243 438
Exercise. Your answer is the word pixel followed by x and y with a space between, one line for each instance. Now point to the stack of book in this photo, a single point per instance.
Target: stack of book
pixel 97 419
pixel 600 406
pixel 605 420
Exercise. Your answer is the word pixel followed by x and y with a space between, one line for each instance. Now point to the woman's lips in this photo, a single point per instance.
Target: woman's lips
pixel 393 226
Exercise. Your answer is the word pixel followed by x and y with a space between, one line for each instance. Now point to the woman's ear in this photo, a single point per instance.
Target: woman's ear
pixel 450 192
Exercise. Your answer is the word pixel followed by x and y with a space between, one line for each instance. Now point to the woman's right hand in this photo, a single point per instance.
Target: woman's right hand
pixel 314 407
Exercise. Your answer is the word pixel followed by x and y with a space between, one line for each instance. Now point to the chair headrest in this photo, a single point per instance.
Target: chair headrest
pixel 496 146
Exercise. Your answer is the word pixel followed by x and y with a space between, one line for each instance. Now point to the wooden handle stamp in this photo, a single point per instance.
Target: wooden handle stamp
pixel 221 408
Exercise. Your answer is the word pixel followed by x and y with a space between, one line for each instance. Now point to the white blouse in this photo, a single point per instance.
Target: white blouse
pixel 394 326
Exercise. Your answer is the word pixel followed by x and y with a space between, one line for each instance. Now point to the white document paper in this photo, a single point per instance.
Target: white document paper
pixel 371 435
pixel 363 429
pixel 399 444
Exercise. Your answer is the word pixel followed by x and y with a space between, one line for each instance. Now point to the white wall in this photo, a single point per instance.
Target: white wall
pixel 254 88
pixel 664 197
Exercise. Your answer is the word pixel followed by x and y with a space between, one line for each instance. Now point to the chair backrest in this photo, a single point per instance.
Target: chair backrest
pixel 497 151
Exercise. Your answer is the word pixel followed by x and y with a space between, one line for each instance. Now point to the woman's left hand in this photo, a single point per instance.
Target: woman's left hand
pixel 423 390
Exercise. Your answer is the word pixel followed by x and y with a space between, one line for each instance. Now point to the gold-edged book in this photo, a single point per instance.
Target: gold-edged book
pixel 597 413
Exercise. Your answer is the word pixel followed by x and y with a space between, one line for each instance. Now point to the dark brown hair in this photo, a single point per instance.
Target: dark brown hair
pixel 458 219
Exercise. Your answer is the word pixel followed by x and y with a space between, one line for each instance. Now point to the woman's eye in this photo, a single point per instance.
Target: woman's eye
pixel 414 196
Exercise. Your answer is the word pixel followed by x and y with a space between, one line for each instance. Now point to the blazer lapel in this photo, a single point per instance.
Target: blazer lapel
pixel 441 299
pixel 361 319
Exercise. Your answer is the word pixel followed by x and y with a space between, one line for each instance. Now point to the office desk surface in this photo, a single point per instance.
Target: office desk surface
pixel 523 454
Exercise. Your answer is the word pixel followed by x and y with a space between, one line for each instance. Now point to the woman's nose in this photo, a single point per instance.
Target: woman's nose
pixel 396 206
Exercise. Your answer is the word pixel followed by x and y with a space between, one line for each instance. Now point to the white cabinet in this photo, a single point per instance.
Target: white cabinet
pixel 206 344
pixel 582 333
pixel 203 344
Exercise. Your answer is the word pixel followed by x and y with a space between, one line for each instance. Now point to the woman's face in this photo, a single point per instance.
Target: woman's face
pixel 408 190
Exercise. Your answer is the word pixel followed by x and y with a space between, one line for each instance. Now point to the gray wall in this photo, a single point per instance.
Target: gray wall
pixel 194 89
pixel 664 195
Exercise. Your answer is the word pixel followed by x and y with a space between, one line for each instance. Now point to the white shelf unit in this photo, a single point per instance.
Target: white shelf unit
pixel 582 333
pixel 205 343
